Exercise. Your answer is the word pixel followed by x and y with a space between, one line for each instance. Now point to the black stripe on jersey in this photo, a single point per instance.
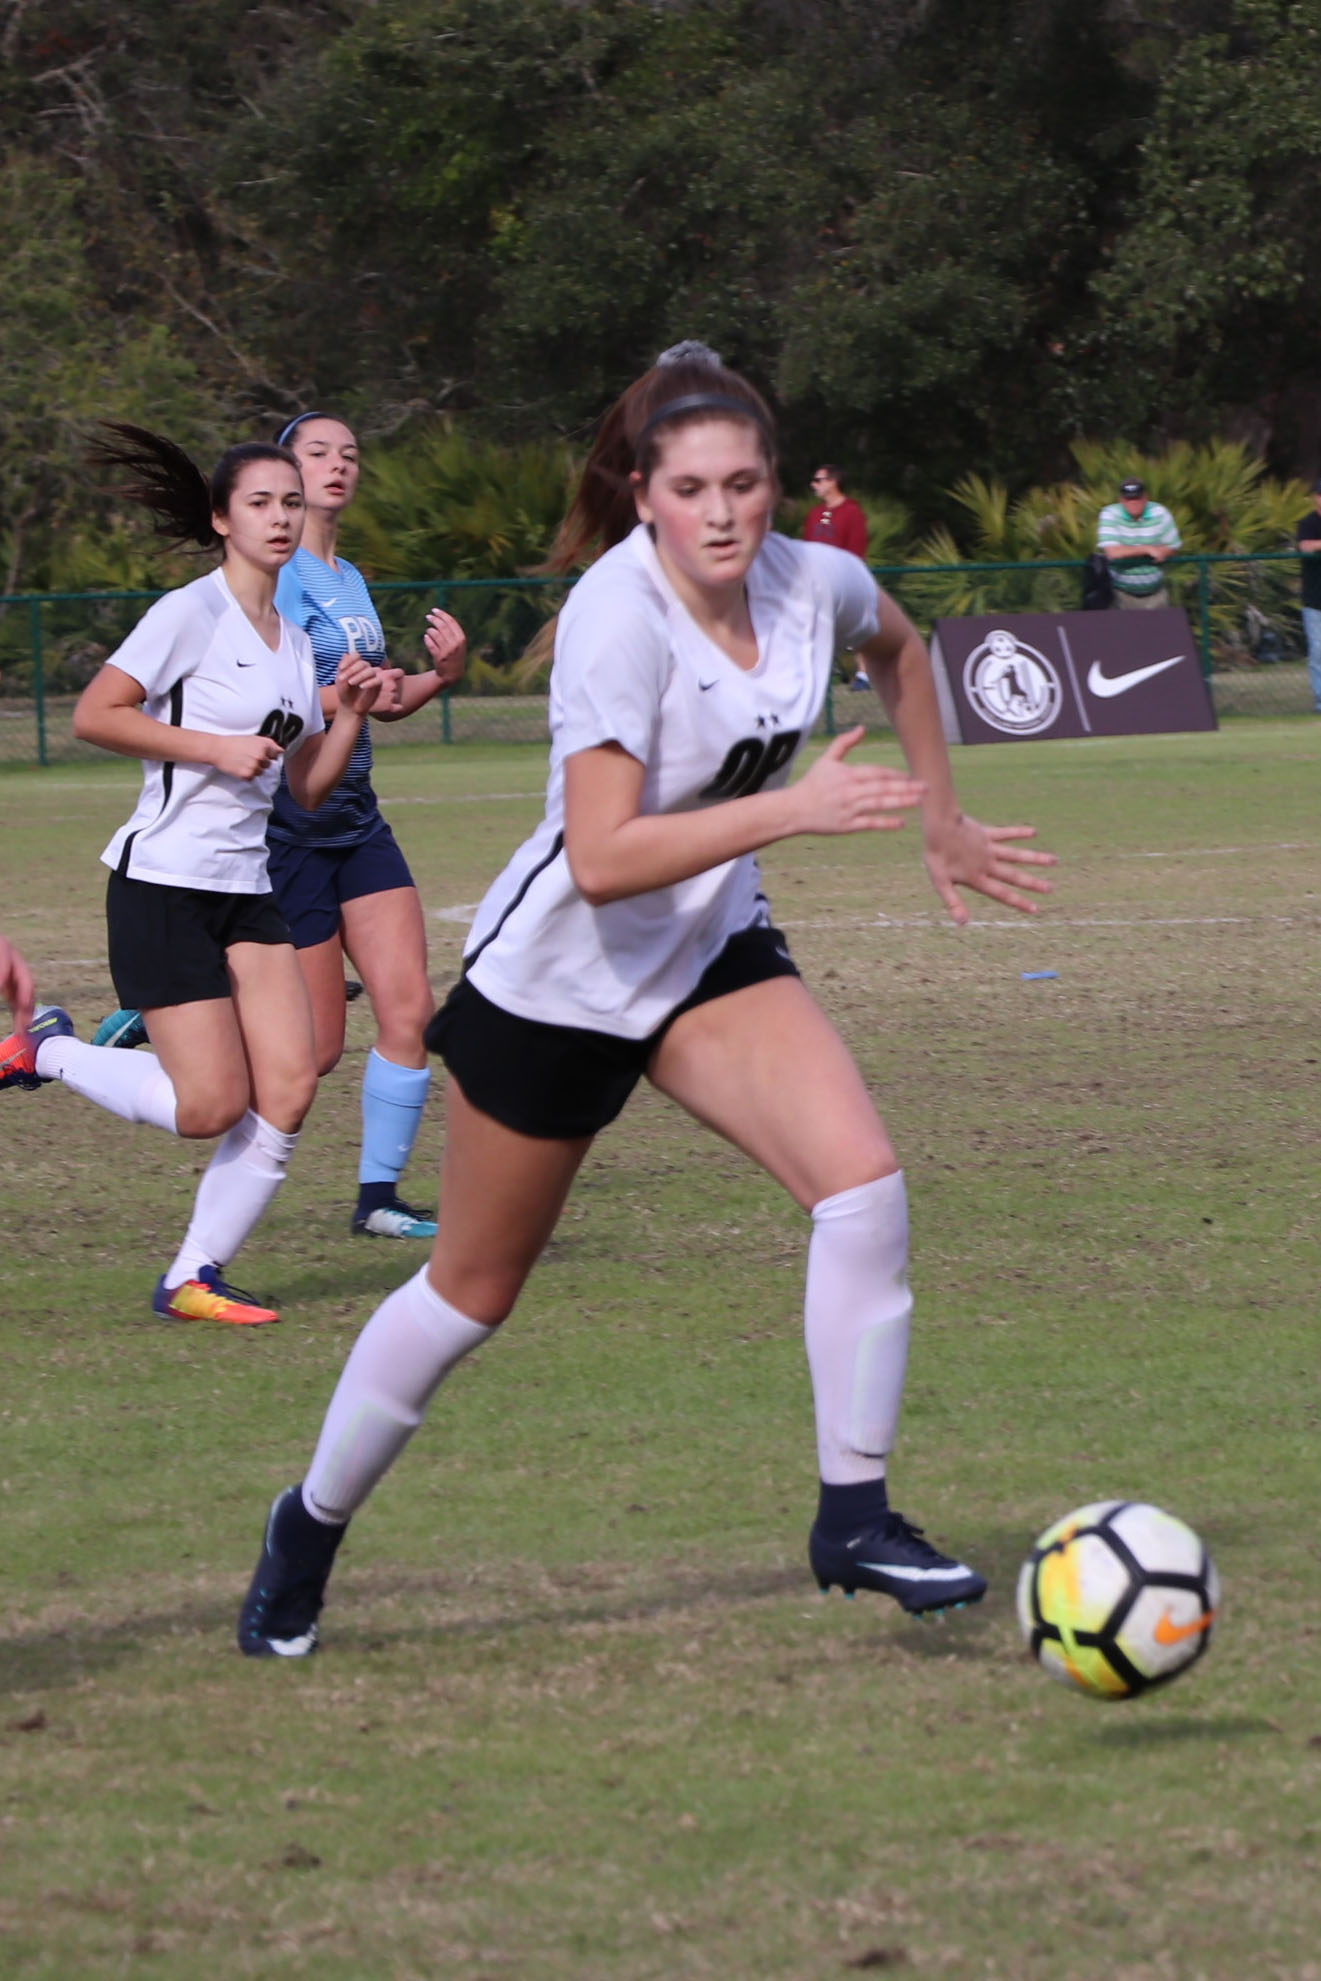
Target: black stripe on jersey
pixel 549 861
pixel 176 722
pixel 167 778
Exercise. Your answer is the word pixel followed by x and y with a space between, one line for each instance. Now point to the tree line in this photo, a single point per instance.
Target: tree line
pixel 949 237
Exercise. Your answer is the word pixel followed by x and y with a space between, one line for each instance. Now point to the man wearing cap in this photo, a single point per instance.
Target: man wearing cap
pixel 1309 543
pixel 1138 536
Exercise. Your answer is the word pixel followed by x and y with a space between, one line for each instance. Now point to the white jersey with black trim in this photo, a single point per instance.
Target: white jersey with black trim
pixel 205 666
pixel 632 667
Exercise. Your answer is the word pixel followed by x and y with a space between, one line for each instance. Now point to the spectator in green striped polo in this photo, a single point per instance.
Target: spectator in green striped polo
pixel 1138 536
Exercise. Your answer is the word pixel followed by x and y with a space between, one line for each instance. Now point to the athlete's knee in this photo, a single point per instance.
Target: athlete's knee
pixel 328 1058
pixel 201 1117
pixel 294 1103
pixel 487 1294
pixel 287 1101
pixel 401 1022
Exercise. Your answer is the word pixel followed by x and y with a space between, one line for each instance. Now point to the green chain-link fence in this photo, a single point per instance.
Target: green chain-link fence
pixel 1244 612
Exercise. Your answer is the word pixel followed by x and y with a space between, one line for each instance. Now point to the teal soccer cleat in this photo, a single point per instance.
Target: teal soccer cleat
pixel 121 1028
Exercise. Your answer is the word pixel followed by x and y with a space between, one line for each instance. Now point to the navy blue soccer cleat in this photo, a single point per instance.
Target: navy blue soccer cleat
pixel 18 1053
pixel 892 1557
pixel 393 1220
pixel 280 1610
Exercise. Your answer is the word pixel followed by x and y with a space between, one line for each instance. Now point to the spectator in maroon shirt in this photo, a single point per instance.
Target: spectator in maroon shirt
pixel 838 519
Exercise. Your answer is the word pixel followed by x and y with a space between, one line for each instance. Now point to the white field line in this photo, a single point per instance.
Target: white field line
pixel 463 911
pixel 1038 928
pixel 1216 852
pixel 463 798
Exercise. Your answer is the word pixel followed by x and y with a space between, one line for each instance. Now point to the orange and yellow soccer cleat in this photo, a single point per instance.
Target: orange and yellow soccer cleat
pixel 18 1053
pixel 209 1298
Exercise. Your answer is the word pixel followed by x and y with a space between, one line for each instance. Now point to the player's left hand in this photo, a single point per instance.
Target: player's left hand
pixel 447 645
pixel 358 684
pixel 962 853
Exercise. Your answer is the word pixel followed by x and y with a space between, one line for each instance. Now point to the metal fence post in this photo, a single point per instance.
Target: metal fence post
pixel 1204 615
pixel 39 682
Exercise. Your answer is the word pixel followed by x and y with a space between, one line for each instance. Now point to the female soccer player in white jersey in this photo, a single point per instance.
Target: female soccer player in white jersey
pixel 214 691
pixel 630 936
pixel 340 880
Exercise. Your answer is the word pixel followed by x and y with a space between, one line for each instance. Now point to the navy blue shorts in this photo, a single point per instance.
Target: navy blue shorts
pixel 563 1081
pixel 311 882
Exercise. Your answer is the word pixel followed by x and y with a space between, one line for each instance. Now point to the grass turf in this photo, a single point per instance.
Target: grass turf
pixel 581 1711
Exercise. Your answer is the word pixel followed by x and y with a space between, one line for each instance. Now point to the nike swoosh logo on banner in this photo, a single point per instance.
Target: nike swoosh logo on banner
pixel 1106 685
pixel 1167 1631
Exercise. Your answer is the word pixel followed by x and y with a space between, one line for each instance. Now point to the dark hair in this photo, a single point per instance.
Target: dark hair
pixel 169 484
pixel 687 383
pixel 828 468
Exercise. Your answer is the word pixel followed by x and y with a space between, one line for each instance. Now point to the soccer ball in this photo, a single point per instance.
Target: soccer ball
pixel 1116 1598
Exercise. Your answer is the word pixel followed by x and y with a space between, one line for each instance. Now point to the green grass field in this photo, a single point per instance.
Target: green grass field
pixel 581 1711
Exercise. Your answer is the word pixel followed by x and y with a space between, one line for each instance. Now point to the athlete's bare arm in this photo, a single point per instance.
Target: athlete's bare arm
pixel 616 850
pixel 315 769
pixel 959 851
pixel 110 714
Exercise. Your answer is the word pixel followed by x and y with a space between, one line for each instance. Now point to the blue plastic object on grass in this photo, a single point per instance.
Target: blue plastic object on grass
pixel 1038 976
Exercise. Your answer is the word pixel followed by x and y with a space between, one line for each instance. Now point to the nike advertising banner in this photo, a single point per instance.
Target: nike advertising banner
pixel 1009 678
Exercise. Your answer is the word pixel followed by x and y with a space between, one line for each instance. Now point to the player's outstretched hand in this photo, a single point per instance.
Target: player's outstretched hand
pixel 447 645
pixel 358 684
pixel 962 853
pixel 836 796
pixel 16 985
pixel 245 757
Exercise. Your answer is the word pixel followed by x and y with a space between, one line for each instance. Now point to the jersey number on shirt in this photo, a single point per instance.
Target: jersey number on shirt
pixel 750 762
pixel 281 727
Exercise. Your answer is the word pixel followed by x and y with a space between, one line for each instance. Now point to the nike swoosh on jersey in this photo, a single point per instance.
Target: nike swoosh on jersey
pixel 704 685
pixel 245 663
pixel 1106 685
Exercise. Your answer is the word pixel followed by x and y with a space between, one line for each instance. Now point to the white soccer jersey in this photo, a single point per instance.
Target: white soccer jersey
pixel 205 666
pixel 632 667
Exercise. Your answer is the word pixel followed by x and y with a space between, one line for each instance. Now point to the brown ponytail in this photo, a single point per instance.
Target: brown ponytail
pixel 687 383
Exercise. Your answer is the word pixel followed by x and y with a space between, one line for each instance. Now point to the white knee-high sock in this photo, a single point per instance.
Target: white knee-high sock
pixel 856 1325
pixel 132 1085
pixel 400 1359
pixel 238 1183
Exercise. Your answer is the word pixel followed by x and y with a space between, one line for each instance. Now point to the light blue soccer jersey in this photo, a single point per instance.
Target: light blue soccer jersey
pixel 334 608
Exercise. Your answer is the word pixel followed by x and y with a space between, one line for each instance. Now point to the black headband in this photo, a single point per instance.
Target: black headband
pixel 297 421
pixel 703 402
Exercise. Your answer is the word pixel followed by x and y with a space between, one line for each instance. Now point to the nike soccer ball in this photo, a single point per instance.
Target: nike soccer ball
pixel 1116 1598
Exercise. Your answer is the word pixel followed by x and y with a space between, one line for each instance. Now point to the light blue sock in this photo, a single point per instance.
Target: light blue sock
pixel 392 1101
